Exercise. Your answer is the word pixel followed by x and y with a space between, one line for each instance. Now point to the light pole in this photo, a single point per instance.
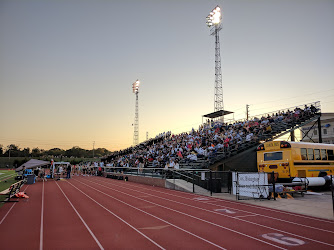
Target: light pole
pixel 135 88
pixel 93 148
pixel 213 21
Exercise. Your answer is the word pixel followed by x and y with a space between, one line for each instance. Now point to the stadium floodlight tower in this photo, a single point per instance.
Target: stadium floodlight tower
pixel 214 20
pixel 135 88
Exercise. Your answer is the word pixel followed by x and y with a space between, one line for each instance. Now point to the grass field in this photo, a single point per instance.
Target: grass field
pixel 7 178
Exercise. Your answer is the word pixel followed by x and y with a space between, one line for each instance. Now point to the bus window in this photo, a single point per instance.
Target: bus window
pixel 310 154
pixel 323 155
pixel 303 153
pixel 317 154
pixel 330 154
pixel 275 156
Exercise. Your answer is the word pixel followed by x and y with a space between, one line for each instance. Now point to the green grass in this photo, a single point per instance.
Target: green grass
pixel 4 184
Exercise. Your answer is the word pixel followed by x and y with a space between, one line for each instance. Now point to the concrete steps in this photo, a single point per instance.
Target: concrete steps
pixel 182 185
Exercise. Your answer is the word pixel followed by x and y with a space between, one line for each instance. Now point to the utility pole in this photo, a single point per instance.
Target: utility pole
pixel 247 112
pixel 93 148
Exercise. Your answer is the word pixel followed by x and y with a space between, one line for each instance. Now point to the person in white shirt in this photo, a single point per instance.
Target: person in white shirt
pixel 60 170
pixel 249 136
pixel 176 166
pixel 172 164
pixel 167 165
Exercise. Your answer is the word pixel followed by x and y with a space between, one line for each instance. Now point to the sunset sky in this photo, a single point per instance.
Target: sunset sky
pixel 67 67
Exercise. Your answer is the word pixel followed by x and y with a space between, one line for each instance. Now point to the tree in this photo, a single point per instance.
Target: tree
pixel 99 152
pixel 55 152
pixel 25 152
pixel 76 152
pixel 12 151
pixel 35 152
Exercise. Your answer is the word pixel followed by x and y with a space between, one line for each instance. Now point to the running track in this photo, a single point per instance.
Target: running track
pixel 101 213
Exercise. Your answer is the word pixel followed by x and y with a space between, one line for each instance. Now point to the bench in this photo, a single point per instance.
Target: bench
pixel 12 190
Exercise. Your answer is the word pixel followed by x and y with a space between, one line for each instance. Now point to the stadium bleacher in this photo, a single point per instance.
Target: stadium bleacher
pixel 213 141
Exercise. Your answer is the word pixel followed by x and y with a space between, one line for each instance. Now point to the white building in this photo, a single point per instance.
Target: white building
pixel 327 129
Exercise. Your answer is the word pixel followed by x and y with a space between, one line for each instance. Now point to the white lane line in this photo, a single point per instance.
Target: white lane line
pixel 233 202
pixel 207 241
pixel 3 178
pixel 90 231
pixel 10 209
pixel 266 216
pixel 42 217
pixel 250 205
pixel 210 211
pixel 194 217
pixel 117 216
pixel 272 218
pixel 281 212
pixel 248 215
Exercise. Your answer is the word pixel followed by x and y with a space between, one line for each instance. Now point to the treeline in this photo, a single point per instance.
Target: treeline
pixel 77 152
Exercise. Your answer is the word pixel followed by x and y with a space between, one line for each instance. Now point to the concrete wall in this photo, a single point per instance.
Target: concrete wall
pixel 147 180
pixel 141 179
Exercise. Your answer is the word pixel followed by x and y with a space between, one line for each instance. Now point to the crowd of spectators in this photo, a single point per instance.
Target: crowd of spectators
pixel 212 138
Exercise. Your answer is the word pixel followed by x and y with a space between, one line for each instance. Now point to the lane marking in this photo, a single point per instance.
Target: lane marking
pixel 4 178
pixel 145 213
pixel 155 228
pixel 282 239
pixel 89 230
pixel 148 207
pixel 191 216
pixel 201 199
pixel 118 217
pixel 248 215
pixel 42 216
pixel 225 211
pixel 10 209
pixel 233 217
pixel 266 216
pixel 282 220
pixel 237 203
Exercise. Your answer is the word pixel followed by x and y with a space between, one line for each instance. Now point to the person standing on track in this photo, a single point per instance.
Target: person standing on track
pixel 69 172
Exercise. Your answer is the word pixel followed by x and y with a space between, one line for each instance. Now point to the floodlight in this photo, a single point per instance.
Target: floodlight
pixel 135 86
pixel 213 21
pixel 214 16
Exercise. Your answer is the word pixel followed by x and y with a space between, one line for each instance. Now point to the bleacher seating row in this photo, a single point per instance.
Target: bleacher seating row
pixel 235 138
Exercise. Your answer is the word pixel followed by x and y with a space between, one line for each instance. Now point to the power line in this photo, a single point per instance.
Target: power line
pixel 293 97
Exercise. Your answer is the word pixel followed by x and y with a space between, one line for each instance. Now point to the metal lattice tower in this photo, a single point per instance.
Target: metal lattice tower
pixel 214 22
pixel 135 88
pixel 219 104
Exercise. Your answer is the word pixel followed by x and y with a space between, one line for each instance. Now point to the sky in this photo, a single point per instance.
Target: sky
pixel 67 67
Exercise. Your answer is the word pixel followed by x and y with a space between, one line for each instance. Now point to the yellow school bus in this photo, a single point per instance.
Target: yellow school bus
pixel 295 159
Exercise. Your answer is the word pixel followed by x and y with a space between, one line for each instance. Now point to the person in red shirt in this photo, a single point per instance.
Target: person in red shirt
pixel 226 142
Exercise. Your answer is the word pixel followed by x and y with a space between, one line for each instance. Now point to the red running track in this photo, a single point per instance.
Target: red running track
pixel 100 213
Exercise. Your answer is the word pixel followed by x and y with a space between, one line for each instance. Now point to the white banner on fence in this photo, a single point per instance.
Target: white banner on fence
pixel 250 184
